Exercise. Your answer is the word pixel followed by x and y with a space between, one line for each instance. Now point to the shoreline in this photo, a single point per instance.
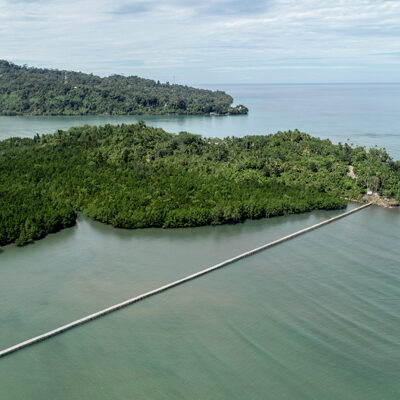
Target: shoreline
pixel 358 201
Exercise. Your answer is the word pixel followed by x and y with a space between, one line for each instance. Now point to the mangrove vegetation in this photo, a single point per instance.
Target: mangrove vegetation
pixel 136 176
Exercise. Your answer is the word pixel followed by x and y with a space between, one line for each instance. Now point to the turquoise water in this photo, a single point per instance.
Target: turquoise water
pixel 363 114
pixel 317 317
pixel 366 114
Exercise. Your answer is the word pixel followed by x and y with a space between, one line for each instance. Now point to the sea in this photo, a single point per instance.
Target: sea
pixel 316 317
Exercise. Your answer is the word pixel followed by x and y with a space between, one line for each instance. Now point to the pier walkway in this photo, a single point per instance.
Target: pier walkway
pixel 116 307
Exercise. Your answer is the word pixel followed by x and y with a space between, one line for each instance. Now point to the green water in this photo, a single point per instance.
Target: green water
pixel 317 317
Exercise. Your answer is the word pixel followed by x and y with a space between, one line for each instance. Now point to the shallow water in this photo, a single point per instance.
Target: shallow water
pixel 317 317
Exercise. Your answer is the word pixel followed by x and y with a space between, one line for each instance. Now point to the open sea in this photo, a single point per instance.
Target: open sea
pixel 317 317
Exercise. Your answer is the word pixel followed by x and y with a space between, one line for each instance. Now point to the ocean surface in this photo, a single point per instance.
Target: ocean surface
pixel 317 317
pixel 363 114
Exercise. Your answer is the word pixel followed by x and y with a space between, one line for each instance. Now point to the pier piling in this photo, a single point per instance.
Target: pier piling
pixel 128 302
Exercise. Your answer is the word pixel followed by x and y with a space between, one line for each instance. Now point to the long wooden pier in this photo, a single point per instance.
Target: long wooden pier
pixel 116 307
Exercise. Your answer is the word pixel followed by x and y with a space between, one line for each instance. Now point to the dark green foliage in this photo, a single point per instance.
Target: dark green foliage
pixel 134 176
pixel 34 91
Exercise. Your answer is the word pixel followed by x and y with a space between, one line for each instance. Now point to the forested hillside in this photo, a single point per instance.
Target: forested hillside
pixel 134 176
pixel 36 91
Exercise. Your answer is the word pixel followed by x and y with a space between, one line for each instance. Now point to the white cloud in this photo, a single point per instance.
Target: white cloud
pixel 219 40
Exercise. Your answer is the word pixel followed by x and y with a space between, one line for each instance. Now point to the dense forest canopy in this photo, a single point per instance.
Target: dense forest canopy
pixel 135 176
pixel 37 91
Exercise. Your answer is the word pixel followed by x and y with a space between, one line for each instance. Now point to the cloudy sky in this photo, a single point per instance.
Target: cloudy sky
pixel 219 41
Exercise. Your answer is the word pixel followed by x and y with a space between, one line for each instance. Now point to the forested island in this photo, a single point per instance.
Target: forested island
pixel 38 91
pixel 135 176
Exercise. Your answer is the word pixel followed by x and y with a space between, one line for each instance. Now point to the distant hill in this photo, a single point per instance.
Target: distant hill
pixel 38 91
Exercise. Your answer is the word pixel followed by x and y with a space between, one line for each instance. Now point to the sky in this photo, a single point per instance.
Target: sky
pixel 219 41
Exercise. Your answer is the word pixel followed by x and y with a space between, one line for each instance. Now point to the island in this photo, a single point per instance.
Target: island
pixel 137 176
pixel 38 91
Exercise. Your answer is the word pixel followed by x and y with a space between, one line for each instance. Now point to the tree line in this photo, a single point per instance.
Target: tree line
pixel 136 176
pixel 38 91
